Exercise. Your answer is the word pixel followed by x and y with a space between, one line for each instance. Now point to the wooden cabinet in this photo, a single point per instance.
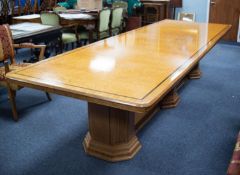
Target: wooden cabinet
pixel 154 12
pixel 163 8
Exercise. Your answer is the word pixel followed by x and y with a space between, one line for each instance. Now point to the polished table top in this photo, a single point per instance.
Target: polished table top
pixel 67 16
pixel 131 71
pixel 28 29
pixel 32 16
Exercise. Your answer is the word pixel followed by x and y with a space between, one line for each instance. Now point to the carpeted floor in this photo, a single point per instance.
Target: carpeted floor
pixel 195 138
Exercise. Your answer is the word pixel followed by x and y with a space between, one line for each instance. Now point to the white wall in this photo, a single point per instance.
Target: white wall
pixel 199 7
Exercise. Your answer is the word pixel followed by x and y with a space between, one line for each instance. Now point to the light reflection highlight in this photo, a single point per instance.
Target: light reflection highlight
pixel 103 64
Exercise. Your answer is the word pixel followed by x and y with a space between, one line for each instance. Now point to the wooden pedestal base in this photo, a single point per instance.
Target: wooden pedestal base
pixel 195 73
pixel 112 153
pixel 111 134
pixel 171 100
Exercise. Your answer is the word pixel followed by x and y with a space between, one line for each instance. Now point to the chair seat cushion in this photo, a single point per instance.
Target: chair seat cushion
pixel 85 35
pixel 234 167
pixel 69 38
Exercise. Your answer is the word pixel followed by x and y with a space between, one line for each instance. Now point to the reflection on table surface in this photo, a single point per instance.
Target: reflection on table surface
pixel 62 15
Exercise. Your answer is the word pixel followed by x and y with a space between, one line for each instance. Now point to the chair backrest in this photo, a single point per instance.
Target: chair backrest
pixel 4 11
pixel 59 9
pixel 104 18
pixel 19 7
pixel 122 4
pixel 12 8
pixel 50 18
pixel 117 16
pixel 28 7
pixel 35 7
pixel 189 17
pixel 44 5
pixel 6 50
pixel 48 5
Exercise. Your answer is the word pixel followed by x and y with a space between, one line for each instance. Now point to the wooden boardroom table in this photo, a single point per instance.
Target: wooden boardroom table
pixel 125 79
pixel 66 19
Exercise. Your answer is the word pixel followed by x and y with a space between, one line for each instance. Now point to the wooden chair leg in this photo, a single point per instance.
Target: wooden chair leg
pixel 48 96
pixel 12 95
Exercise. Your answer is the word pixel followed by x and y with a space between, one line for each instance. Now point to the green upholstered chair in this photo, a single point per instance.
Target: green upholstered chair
pixel 116 21
pixel 125 7
pixel 103 24
pixel 53 19
pixel 122 4
pixel 102 29
pixel 59 9
pixel 49 18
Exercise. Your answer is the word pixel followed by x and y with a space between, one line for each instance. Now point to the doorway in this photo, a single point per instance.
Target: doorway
pixel 226 12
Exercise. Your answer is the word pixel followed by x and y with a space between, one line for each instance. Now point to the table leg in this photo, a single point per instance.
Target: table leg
pixel 171 100
pixel 195 73
pixel 111 134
